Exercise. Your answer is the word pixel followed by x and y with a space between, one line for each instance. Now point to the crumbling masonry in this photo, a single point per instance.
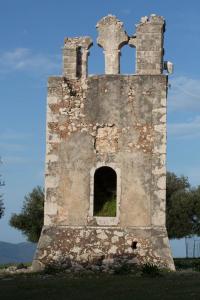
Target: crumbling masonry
pixel 114 123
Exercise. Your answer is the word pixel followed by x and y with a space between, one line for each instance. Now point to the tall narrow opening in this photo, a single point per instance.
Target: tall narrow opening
pixel 105 192
pixel 127 60
pixel 96 61
pixel 79 62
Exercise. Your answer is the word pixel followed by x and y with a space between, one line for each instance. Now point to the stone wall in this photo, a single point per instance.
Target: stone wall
pixel 102 249
pixel 149 45
pixel 106 119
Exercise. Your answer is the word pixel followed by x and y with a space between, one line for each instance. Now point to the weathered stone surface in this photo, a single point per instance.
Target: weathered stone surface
pixel 149 45
pixel 111 38
pixel 75 56
pixel 103 247
pixel 112 120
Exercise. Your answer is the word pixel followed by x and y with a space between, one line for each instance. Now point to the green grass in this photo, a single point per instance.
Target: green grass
pixel 182 286
pixel 108 209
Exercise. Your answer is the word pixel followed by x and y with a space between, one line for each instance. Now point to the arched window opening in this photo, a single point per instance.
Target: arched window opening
pixel 127 60
pixel 105 192
pixel 96 60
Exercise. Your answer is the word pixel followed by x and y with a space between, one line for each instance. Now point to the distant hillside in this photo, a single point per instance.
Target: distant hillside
pixel 16 253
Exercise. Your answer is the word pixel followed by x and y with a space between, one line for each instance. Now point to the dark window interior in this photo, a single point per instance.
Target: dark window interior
pixel 105 192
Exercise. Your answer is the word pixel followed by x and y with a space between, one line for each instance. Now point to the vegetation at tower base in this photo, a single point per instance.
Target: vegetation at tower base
pixel 30 220
pixel 182 211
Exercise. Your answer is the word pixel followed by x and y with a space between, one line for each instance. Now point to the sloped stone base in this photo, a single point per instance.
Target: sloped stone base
pixel 69 247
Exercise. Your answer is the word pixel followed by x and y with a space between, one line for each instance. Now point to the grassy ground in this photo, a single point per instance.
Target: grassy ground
pixel 179 285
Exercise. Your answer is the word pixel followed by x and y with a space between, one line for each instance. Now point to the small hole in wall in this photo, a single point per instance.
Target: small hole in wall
pixel 134 245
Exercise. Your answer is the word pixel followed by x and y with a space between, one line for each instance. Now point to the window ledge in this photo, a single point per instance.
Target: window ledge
pixel 108 221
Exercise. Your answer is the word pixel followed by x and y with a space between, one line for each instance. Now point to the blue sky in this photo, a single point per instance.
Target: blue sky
pixel 32 34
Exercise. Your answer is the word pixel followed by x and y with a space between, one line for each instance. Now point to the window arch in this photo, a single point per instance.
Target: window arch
pixel 105 192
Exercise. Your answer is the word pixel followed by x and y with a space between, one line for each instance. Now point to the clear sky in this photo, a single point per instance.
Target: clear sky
pixel 32 34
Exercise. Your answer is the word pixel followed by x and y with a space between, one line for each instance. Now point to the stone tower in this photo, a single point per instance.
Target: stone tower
pixel 105 187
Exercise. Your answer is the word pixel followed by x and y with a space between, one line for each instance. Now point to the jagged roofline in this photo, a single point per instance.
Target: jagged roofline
pixel 147 39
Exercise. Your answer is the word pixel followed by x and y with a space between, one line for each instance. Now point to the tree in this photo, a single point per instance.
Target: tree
pixel 180 215
pixel 177 205
pixel 196 211
pixel 182 207
pixel 2 208
pixel 175 184
pixel 30 220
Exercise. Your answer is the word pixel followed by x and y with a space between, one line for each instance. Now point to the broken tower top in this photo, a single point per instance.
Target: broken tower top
pixel 148 41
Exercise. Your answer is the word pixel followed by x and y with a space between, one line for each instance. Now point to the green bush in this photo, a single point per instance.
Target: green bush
pixel 52 269
pixel 122 269
pixel 196 265
pixel 150 270
pixel 108 209
pixel 5 266
pixel 182 263
pixel 21 266
pixel 186 263
pixel 17 265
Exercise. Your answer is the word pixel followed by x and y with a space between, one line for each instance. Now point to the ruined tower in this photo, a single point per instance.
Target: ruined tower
pixel 105 187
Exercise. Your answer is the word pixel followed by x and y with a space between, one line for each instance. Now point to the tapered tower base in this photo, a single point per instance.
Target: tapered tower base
pixel 104 248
